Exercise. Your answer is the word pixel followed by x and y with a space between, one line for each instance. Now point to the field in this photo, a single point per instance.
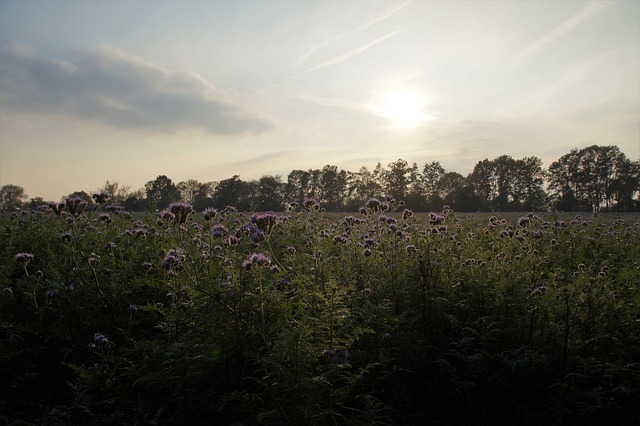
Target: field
pixel 378 317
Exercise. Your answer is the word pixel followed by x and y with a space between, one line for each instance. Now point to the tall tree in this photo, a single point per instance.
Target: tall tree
pixel 398 178
pixel 161 192
pixel 12 197
pixel 232 192
pixel 332 188
pixel 270 193
pixel 116 191
pixel 593 177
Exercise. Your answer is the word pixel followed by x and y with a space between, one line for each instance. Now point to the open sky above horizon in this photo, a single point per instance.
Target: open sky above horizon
pixel 129 90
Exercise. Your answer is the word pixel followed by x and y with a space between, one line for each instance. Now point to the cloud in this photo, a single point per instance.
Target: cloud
pixel 338 103
pixel 118 89
pixel 350 54
pixel 376 19
pixel 591 8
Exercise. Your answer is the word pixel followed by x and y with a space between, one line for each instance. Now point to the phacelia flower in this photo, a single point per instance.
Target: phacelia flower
pixel 181 210
pixel 76 205
pixel 257 259
pixel 24 258
pixel 219 230
pixel 309 204
pixel 100 198
pixel 265 221
pixel 209 213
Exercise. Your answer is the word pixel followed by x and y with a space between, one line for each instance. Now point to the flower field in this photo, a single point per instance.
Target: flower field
pixel 379 317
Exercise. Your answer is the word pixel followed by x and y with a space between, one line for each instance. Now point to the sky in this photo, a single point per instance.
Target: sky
pixel 126 91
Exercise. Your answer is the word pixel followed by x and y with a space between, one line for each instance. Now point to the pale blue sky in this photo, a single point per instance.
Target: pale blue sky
pixel 126 90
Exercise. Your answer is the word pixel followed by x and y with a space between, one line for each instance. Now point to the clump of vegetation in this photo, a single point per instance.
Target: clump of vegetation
pixel 384 317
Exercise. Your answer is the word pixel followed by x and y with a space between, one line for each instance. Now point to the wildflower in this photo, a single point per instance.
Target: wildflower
pixel 265 221
pixel 410 248
pixel 291 250
pixel 104 217
pixel 172 261
pixel 181 210
pixel 406 214
pixel 366 252
pixel 99 339
pixel 65 236
pixel 339 239
pixel 435 219
pixel 254 233
pixel 373 204
pixel 523 221
pixel 24 258
pixel 76 205
pixel 57 208
pixel 257 259
pixel 209 213
pixel 132 308
pixel 309 204
pixel 219 230
pixel 100 198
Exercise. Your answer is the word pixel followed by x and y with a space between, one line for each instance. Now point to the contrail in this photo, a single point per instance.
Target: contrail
pixel 352 53
pixel 313 49
pixel 565 27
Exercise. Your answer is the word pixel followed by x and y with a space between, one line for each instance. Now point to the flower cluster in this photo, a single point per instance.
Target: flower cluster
pixel 256 259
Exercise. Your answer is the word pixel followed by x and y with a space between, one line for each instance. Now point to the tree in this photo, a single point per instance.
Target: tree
pixel 232 192
pixel 593 178
pixel 431 175
pixel 117 192
pixel 161 192
pixel 269 194
pixel 332 188
pixel 397 179
pixel 12 197
pixel 297 186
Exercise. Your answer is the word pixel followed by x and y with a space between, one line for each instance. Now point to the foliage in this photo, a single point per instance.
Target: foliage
pixel 387 317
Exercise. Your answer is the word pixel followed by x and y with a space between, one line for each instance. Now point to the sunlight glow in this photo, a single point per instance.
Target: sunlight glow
pixel 404 108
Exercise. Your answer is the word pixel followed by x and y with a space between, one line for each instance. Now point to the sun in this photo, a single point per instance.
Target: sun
pixel 404 109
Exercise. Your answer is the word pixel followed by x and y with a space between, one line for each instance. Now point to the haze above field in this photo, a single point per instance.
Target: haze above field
pixel 129 90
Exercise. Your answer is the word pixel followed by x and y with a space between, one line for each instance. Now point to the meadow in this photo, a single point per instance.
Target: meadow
pixel 377 317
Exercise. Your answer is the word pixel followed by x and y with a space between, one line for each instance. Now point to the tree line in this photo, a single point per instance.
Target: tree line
pixel 595 178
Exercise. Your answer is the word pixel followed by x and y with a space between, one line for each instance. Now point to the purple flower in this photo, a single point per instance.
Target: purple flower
pixel 265 221
pixel 219 230
pixel 104 217
pixel 435 219
pixel 172 261
pixel 57 208
pixel 209 213
pixel 100 198
pixel 257 259
pixel 309 204
pixel 76 205
pixel 24 258
pixel 181 210
pixel 99 339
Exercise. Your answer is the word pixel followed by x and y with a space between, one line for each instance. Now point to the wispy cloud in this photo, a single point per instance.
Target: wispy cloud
pixel 338 103
pixel 376 19
pixel 350 54
pixel 120 90
pixel 565 27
